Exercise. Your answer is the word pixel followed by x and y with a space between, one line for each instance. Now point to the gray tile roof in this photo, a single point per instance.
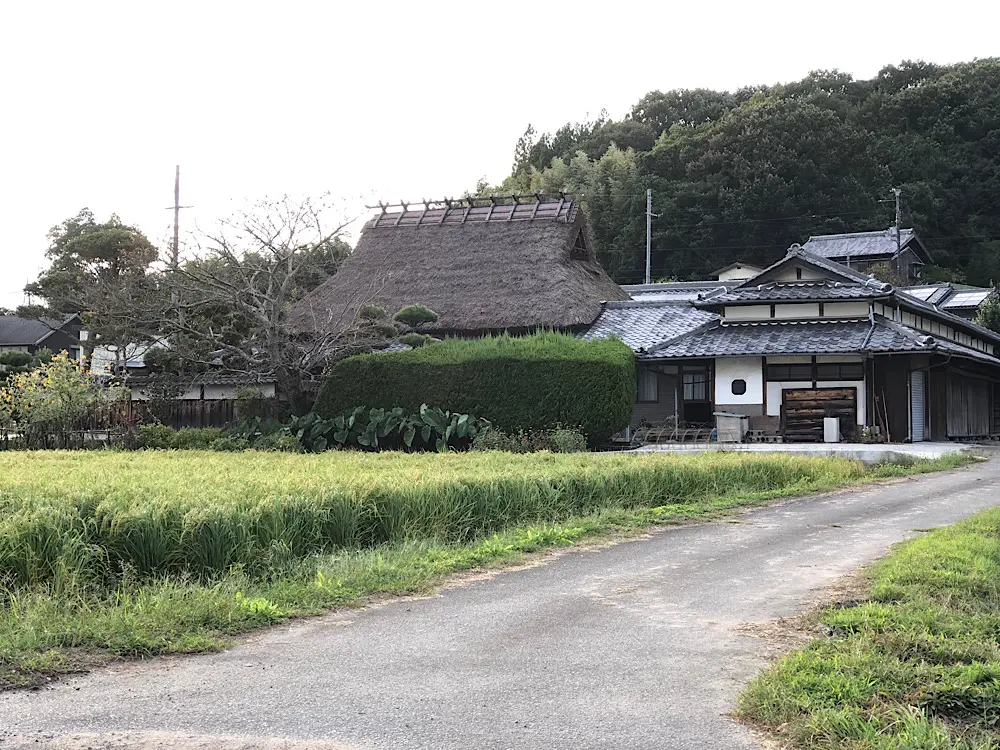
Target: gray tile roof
pixel 775 338
pixel 800 291
pixel 858 244
pixel 644 324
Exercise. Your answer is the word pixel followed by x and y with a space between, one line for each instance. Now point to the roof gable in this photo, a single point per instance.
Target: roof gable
pixel 498 266
pixel 820 269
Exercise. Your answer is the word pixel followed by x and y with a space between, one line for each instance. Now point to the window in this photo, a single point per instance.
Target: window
pixel 789 372
pixel 739 387
pixel 696 386
pixel 649 387
pixel 798 273
pixel 841 371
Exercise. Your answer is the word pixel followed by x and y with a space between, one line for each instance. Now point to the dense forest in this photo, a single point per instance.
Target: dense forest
pixel 742 175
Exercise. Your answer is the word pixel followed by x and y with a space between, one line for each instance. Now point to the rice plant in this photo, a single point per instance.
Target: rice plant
pixel 98 516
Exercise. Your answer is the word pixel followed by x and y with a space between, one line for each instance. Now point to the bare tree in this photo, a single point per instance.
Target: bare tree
pixel 236 292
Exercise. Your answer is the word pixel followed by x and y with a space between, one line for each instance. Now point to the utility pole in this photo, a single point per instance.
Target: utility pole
pixel 175 245
pixel 899 214
pixel 649 219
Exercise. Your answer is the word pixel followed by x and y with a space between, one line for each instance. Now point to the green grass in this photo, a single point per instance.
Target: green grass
pixel 916 666
pixel 106 554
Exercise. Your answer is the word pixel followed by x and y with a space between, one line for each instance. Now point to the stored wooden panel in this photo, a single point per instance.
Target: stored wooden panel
pixel 979 407
pixel 803 411
pixel 996 409
pixel 970 407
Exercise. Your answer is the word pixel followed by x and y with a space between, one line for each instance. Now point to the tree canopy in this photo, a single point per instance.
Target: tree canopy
pixel 742 175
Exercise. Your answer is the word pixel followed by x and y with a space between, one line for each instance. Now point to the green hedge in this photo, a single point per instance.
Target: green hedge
pixel 518 383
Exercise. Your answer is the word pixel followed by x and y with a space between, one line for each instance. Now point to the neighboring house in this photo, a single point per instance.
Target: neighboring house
pixel 737 272
pixel 205 386
pixel 862 250
pixel 128 366
pixel 808 338
pixel 27 335
pixel 483 265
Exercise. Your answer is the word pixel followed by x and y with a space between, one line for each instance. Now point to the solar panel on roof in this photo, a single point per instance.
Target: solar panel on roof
pixel 923 293
pixel 967 299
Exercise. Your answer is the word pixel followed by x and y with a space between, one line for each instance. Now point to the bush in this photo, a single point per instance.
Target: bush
pixel 156 436
pixel 529 383
pixel 559 440
pixel 362 428
pixel 195 438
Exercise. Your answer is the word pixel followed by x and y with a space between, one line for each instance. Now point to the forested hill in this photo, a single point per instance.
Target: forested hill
pixel 742 175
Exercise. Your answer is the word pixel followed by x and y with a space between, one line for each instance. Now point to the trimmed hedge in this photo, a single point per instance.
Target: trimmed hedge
pixel 518 383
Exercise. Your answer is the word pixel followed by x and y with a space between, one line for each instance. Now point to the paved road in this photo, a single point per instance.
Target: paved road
pixel 629 646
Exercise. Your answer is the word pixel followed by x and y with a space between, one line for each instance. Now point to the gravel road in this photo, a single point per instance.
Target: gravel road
pixel 635 645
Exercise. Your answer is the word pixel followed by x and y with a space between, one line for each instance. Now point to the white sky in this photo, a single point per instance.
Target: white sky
pixel 99 100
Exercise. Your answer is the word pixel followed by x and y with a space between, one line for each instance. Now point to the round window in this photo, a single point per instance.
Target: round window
pixel 739 387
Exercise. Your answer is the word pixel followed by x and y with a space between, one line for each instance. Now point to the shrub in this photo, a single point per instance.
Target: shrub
pixel 528 383
pixel 377 429
pixel 195 438
pixel 415 316
pixel 559 440
pixel 416 340
pixel 155 436
pixel 278 441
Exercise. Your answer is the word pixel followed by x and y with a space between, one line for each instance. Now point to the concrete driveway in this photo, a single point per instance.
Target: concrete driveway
pixel 629 646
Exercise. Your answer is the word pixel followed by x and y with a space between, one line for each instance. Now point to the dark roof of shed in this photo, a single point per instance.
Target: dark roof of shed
pixel 881 243
pixel 801 291
pixel 15 331
pixel 643 324
pixel 514 267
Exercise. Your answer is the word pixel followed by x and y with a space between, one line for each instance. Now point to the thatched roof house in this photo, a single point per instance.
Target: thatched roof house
pixel 515 264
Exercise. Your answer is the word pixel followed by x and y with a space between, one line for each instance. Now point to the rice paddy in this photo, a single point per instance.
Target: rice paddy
pixel 119 553
pixel 154 513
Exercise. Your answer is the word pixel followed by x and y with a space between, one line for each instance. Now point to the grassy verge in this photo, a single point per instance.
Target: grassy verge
pixel 915 666
pixel 107 555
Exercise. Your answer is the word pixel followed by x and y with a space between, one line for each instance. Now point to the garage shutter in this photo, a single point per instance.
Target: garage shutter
pixel 918 407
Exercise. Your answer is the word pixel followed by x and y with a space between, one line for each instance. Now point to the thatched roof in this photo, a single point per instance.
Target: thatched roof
pixel 481 267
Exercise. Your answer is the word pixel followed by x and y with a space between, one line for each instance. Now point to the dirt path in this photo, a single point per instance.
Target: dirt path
pixel 638 645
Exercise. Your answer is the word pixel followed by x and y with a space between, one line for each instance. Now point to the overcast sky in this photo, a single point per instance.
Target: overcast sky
pixel 390 100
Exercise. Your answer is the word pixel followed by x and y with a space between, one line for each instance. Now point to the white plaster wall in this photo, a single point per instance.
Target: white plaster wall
pixel 747 312
pixel 728 369
pixel 798 311
pixel 774 394
pixel 845 309
pixel 790 274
